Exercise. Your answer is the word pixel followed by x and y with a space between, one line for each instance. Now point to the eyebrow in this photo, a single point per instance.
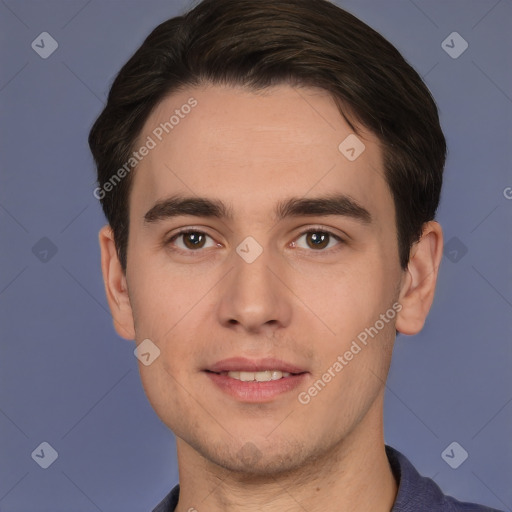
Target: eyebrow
pixel 336 204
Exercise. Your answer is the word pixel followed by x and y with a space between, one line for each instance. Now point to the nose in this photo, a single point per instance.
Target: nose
pixel 253 297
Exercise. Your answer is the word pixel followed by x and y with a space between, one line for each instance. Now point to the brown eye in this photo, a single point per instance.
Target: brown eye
pixel 189 241
pixel 193 240
pixel 317 239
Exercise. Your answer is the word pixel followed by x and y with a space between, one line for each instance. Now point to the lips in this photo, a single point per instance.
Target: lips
pixel 255 380
pixel 242 364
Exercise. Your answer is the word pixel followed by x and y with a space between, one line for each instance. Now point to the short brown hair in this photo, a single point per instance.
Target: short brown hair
pixel 261 43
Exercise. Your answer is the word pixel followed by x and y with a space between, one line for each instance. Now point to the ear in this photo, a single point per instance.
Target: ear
pixel 419 279
pixel 115 285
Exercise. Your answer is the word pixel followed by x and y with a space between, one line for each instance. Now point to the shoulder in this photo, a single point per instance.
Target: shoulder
pixel 416 492
pixel 168 504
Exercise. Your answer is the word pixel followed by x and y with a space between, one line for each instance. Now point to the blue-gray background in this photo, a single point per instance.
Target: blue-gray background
pixel 69 380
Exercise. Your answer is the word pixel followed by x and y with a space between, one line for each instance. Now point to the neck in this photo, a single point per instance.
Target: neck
pixel 353 476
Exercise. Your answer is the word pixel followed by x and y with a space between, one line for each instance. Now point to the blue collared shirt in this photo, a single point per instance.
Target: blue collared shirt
pixel 415 492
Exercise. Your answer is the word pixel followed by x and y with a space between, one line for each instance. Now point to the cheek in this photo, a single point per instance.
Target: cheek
pixel 355 321
pixel 350 376
pixel 163 390
pixel 161 299
pixel 344 299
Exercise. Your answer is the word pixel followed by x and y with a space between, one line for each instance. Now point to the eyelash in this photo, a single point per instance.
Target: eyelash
pixel 191 252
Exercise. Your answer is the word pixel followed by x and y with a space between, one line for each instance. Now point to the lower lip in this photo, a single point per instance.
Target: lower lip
pixel 254 391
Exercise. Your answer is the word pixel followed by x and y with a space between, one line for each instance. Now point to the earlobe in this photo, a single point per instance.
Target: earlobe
pixel 115 285
pixel 419 280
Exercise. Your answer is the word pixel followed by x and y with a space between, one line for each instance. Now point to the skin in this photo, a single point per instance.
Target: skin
pixel 295 302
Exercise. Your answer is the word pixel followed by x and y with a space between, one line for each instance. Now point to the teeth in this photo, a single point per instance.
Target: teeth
pixel 265 376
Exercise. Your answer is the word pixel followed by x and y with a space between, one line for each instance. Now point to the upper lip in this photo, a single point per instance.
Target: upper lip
pixel 244 364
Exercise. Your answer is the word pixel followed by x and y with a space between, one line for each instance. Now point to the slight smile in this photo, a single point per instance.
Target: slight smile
pixel 255 381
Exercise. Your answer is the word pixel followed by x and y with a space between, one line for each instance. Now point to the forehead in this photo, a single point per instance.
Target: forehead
pixel 251 149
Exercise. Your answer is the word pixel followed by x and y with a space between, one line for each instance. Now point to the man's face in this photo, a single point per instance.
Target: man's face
pixel 207 297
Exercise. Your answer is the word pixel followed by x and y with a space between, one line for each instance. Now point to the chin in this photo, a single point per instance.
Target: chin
pixel 254 460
